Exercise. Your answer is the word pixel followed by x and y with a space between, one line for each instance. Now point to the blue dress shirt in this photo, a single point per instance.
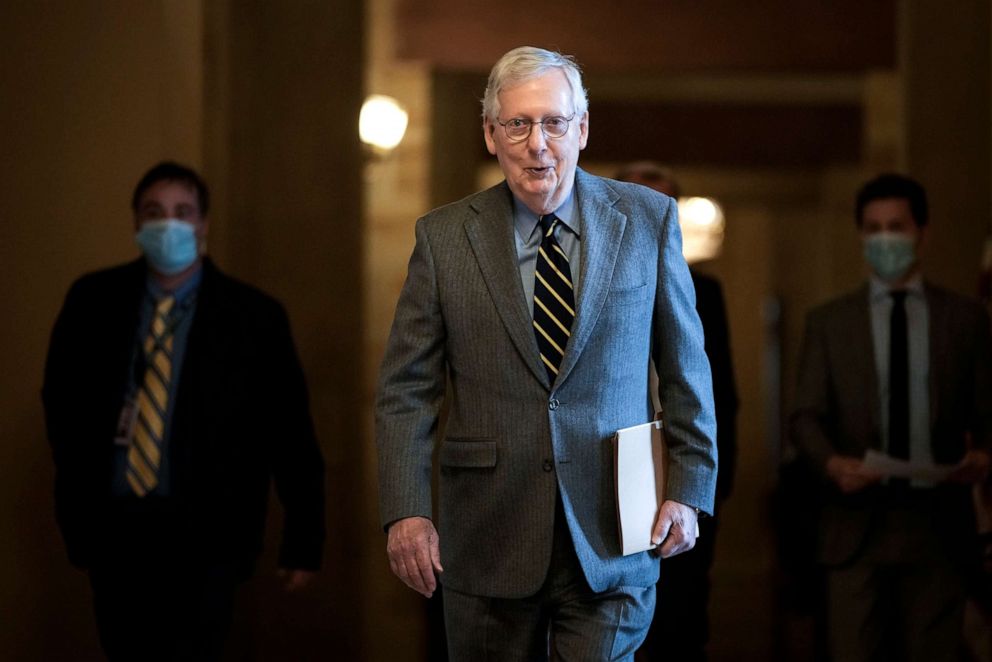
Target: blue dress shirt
pixel 528 240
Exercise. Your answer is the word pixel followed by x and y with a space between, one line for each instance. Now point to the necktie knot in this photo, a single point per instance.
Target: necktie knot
pixel 164 305
pixel 160 321
pixel 898 297
pixel 547 222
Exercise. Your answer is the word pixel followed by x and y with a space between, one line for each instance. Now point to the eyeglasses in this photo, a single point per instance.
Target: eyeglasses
pixel 518 129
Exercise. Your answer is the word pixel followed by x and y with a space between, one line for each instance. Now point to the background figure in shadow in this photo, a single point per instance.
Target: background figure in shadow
pixel 899 366
pixel 680 628
pixel 173 399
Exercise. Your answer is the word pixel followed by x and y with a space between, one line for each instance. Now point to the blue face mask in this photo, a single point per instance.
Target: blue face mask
pixel 169 245
pixel 890 254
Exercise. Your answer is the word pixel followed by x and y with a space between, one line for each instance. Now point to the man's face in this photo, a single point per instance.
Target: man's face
pixel 539 170
pixel 171 199
pixel 892 215
pixel 891 239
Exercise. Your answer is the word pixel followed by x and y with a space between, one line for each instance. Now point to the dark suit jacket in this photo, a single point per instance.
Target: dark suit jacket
pixel 514 441
pixel 837 408
pixel 241 417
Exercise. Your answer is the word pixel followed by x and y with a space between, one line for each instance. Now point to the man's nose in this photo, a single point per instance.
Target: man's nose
pixel 536 141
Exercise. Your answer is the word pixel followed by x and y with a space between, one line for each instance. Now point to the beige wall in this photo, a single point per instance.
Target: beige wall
pixel 946 65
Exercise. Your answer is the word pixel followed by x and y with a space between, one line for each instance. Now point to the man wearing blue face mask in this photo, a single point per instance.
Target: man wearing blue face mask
pixel 172 394
pixel 902 367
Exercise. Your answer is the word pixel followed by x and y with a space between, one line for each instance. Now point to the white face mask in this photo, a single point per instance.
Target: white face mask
pixel 890 254
pixel 169 245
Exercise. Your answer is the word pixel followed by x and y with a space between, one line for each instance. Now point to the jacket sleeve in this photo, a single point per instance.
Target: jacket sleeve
pixel 685 383
pixel 807 421
pixel 298 466
pixel 713 315
pixel 410 391
pixel 63 412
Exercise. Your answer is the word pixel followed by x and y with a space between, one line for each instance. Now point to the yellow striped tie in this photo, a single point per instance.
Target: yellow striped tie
pixel 554 302
pixel 145 454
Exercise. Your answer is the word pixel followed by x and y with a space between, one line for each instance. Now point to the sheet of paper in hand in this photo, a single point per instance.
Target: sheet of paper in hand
pixel 639 463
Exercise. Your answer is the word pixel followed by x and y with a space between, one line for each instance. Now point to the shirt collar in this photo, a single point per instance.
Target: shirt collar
pixel 879 290
pixel 525 221
pixel 182 293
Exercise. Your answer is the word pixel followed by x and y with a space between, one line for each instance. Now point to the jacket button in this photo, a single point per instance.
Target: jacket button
pixel 553 404
pixel 548 465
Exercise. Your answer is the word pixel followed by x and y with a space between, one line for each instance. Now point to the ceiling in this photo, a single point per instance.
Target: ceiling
pixel 656 36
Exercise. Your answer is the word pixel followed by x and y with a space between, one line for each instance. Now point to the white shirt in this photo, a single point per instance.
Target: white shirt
pixel 918 337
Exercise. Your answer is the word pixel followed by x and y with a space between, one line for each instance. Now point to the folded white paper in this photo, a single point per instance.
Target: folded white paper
pixel 897 468
pixel 639 460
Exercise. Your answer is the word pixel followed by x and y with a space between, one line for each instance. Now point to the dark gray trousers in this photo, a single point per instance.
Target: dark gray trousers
pixel 565 620
pixel 901 599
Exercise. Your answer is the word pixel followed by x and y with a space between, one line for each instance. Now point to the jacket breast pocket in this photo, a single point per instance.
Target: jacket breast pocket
pixel 627 296
pixel 468 453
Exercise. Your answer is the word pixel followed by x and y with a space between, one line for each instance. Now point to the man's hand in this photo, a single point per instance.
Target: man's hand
pixel 295 580
pixel 973 467
pixel 675 530
pixel 414 553
pixel 849 474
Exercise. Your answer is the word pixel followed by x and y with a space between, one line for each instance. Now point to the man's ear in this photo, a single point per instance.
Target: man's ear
pixel 584 130
pixel 489 133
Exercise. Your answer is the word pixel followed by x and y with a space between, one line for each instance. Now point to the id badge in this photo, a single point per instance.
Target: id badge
pixel 126 422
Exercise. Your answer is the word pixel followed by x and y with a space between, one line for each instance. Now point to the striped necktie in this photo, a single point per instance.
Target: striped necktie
pixel 145 453
pixel 554 302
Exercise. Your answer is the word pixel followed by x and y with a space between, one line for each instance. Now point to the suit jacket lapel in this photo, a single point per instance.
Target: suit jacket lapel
pixel 200 380
pixel 120 335
pixel 939 340
pixel 602 232
pixel 863 345
pixel 490 234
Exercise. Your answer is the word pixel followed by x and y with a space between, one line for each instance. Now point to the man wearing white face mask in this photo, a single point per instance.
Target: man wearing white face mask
pixel 172 393
pixel 903 367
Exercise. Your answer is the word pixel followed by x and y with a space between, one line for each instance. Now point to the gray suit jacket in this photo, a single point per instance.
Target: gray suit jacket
pixel 837 408
pixel 513 440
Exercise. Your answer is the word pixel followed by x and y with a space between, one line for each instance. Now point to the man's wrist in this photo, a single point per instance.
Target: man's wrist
pixel 695 509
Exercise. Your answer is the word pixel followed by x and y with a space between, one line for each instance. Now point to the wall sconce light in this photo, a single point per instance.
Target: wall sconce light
pixel 382 123
pixel 702 223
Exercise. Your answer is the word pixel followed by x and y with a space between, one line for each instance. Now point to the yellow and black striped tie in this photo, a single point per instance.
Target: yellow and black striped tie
pixel 145 454
pixel 554 301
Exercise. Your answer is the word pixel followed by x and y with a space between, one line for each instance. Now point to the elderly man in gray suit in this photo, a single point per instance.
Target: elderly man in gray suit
pixel 538 304
pixel 903 367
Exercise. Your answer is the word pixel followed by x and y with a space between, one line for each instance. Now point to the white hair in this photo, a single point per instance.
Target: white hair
pixel 528 62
